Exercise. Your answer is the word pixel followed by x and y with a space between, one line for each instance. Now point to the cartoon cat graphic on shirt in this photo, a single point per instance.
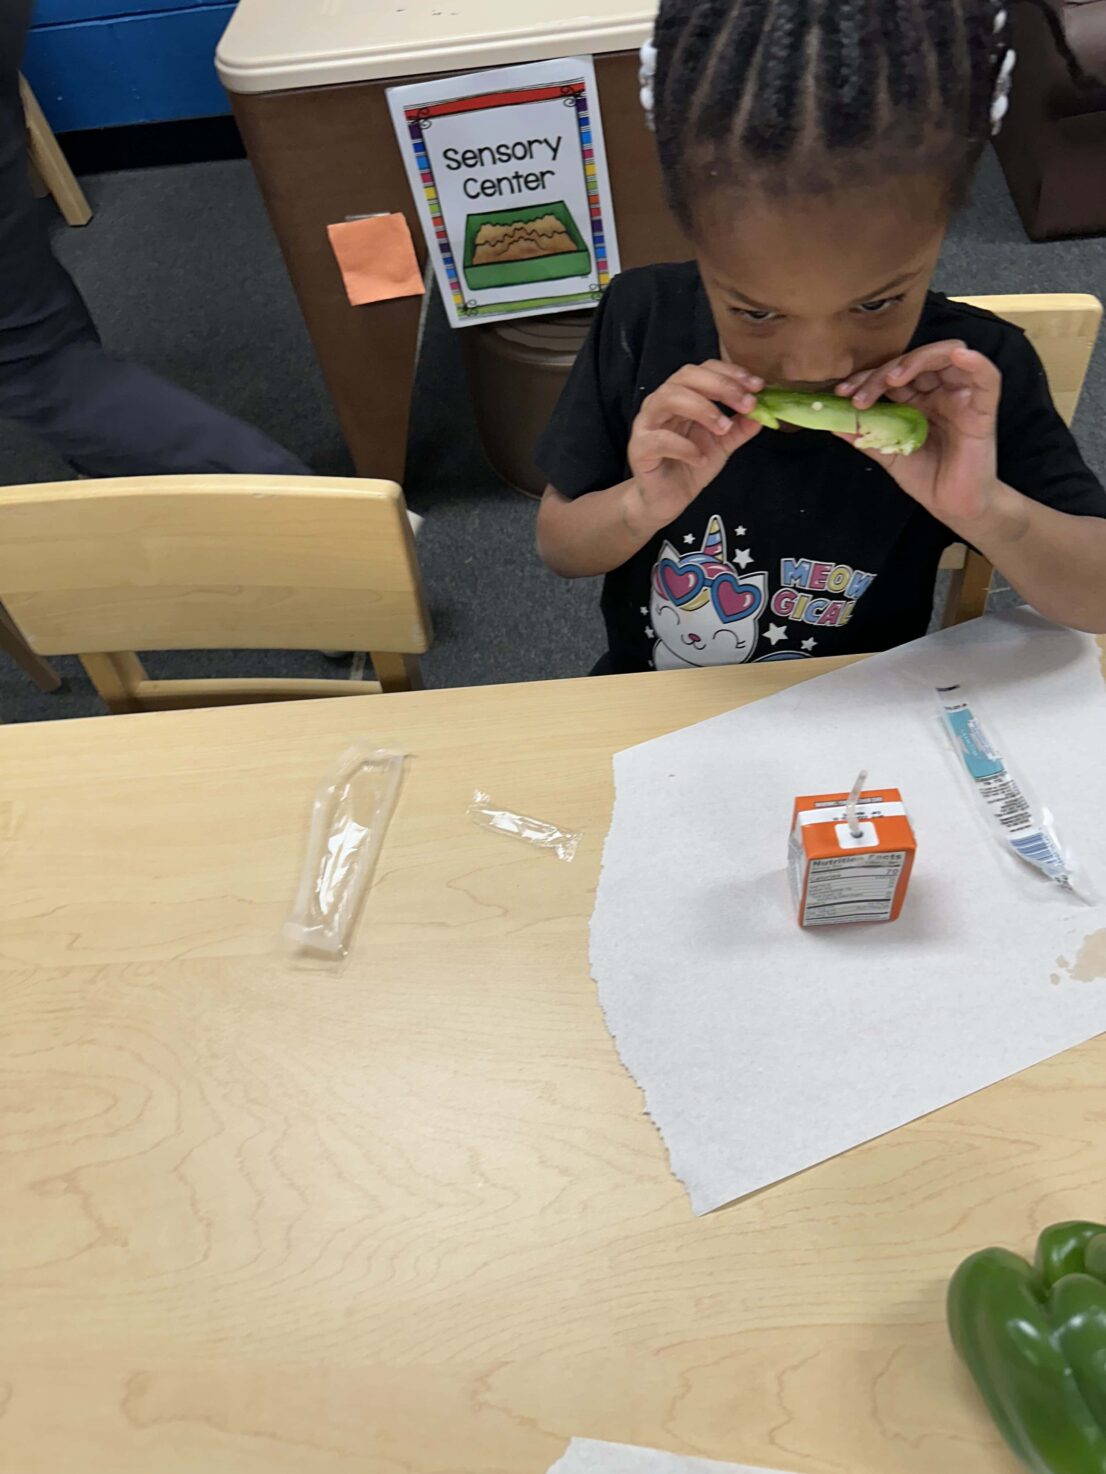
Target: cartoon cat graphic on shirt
pixel 701 610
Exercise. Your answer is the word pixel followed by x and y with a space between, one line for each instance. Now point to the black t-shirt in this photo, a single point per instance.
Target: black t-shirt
pixel 801 546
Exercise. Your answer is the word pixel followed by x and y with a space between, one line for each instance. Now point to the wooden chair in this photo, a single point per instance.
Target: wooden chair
pixel 50 168
pixel 100 569
pixel 1062 326
pixel 14 645
pixel 49 164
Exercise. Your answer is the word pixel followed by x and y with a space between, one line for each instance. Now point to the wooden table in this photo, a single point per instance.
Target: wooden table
pixel 404 1215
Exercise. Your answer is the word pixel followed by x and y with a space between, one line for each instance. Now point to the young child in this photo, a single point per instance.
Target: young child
pixel 813 151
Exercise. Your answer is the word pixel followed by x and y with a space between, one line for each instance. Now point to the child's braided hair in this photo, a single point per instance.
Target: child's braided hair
pixel 840 90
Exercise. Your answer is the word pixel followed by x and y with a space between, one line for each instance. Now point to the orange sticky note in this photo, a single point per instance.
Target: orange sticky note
pixel 377 259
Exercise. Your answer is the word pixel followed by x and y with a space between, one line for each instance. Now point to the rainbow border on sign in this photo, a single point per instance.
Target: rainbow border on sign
pixel 423 113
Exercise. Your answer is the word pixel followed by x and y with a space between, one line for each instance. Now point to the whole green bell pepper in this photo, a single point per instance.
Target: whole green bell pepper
pixel 1034 1339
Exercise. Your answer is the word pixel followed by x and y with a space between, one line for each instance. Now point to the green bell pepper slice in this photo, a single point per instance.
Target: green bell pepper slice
pixel 1034 1339
pixel 892 429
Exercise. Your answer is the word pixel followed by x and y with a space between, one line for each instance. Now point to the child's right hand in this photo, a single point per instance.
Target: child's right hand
pixel 680 440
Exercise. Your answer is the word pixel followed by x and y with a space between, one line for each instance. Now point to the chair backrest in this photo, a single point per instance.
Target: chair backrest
pixel 1063 328
pixel 213 562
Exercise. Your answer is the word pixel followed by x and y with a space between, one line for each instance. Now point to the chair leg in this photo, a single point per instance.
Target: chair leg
pixel 117 678
pixel 396 672
pixel 38 184
pixel 12 643
pixel 968 590
pixel 50 163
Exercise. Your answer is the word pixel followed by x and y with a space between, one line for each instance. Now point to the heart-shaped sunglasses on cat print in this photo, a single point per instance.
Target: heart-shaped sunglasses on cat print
pixel 732 599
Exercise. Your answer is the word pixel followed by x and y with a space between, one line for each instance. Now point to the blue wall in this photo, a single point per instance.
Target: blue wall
pixel 100 63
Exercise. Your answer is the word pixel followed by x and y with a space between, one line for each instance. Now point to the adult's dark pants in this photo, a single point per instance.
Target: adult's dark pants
pixel 106 416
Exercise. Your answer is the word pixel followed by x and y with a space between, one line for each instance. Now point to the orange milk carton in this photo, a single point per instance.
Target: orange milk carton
pixel 850 856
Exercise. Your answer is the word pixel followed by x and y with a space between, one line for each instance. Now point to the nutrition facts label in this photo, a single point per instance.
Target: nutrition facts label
pixel 852 888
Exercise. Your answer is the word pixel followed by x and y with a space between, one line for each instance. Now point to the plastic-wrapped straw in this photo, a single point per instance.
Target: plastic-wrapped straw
pixel 350 815
pixel 1010 811
pixel 520 826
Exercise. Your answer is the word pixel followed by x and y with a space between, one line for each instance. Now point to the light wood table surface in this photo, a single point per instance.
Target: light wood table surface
pixel 404 1214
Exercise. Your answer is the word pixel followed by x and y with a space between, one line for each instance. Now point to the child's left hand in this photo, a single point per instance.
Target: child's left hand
pixel 954 474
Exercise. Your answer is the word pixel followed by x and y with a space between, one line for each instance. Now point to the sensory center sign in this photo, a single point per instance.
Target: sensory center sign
pixel 510 177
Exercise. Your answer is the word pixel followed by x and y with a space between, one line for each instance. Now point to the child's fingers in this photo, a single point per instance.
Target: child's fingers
pixel 924 383
pixel 650 447
pixel 733 371
pixel 950 397
pixel 848 387
pixel 673 401
pixel 724 388
pixel 741 431
pixel 864 389
pixel 946 364
pixel 976 373
pixel 932 381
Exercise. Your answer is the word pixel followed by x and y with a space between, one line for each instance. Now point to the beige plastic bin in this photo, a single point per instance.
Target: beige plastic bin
pixel 517 371
pixel 308 80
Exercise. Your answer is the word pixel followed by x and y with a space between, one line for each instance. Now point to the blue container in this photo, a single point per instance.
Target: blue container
pixel 59 12
pixel 139 64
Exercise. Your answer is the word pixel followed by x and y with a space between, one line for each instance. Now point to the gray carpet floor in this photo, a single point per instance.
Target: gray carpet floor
pixel 181 272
